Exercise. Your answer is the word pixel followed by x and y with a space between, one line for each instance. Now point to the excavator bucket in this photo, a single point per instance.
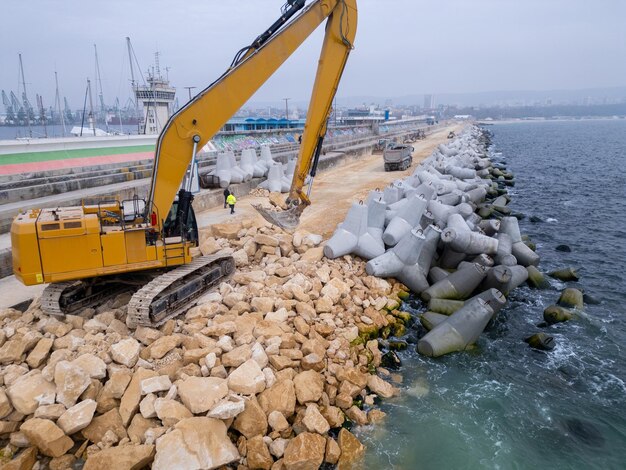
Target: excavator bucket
pixel 286 219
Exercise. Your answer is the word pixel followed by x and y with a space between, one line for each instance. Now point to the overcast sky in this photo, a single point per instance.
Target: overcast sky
pixel 403 47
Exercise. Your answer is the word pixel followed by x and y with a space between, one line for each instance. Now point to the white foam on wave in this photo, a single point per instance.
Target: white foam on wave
pixel 552 220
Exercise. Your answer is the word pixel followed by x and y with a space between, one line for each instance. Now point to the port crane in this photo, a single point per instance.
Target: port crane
pixel 91 252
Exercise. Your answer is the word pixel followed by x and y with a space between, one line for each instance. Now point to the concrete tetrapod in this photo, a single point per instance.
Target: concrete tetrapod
pixel 493 297
pixel 346 236
pixel 524 255
pixel 440 212
pixel 459 331
pixel 504 256
pixel 274 179
pixel 436 274
pixel 457 286
pixel 236 174
pixel 425 260
pixel 429 320
pixel 222 169
pixel 404 221
pixel 510 226
pixel 405 253
pixel 497 278
pixel 370 244
pixel 266 157
pixel 519 275
pixel 462 240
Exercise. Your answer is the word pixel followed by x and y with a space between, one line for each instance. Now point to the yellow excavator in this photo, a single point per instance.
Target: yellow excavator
pixel 91 253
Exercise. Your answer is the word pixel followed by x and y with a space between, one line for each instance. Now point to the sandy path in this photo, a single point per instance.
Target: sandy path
pixel 335 189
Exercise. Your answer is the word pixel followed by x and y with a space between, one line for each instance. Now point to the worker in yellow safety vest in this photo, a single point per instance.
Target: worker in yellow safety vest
pixel 231 200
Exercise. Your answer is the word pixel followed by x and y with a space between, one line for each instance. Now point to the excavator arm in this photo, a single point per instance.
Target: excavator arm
pixel 192 126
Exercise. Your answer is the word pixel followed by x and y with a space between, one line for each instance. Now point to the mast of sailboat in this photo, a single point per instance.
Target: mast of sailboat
pixel 99 90
pixel 57 102
pixel 42 114
pixel 119 113
pixel 132 80
pixel 82 121
pixel 30 130
pixel 91 115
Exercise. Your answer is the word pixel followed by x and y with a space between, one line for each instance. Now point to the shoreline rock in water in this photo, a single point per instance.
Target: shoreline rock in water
pixel 268 371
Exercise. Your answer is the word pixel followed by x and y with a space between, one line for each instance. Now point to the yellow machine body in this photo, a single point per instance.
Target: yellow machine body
pixel 55 245
pixel 71 243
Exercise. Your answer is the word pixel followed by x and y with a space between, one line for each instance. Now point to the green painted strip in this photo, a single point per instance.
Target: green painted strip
pixel 29 157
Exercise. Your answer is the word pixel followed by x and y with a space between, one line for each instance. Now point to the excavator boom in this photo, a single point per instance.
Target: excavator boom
pixel 192 126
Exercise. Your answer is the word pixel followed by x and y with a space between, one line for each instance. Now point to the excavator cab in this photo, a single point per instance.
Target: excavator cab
pixel 174 226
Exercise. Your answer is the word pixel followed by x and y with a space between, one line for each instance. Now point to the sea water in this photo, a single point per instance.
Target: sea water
pixel 504 405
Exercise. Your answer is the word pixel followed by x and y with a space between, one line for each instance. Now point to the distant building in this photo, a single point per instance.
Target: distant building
pixel 157 100
pixel 429 102
pixel 262 124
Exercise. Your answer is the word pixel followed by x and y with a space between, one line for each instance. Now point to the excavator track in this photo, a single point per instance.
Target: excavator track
pixel 67 298
pixel 171 293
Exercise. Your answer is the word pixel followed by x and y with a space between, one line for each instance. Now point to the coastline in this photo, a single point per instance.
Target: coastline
pixel 279 363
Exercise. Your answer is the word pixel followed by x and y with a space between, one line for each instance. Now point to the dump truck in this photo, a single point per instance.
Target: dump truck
pixel 398 157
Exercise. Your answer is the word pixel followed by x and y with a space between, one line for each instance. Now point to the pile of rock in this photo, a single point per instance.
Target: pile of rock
pixel 256 375
pixel 447 233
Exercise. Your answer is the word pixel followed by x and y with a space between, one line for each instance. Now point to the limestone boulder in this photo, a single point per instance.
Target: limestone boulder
pixel 333 452
pixel 262 304
pixel 47 437
pixel 52 412
pixel 305 451
pixel 195 443
pixel 147 335
pixel 279 397
pixel 351 450
pixel 237 356
pixel 30 391
pixel 5 404
pixel 129 457
pixel 164 345
pixel 132 395
pixel 157 384
pixel 245 278
pixel 200 394
pixel 77 417
pixel 93 365
pixel 309 386
pixel 39 353
pixel 252 421
pixel 26 460
pixel 138 427
pixel 227 408
pixel 100 425
pixel 277 421
pixel 380 387
pixel 126 352
pixel 71 381
pixel 278 446
pixel 247 379
pixel 170 412
pixel 258 455
pixel 314 421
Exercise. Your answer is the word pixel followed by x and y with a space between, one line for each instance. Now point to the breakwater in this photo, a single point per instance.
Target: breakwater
pixel 503 404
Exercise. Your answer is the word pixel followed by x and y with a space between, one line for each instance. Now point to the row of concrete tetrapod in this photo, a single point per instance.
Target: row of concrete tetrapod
pixel 426 232
pixel 229 171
